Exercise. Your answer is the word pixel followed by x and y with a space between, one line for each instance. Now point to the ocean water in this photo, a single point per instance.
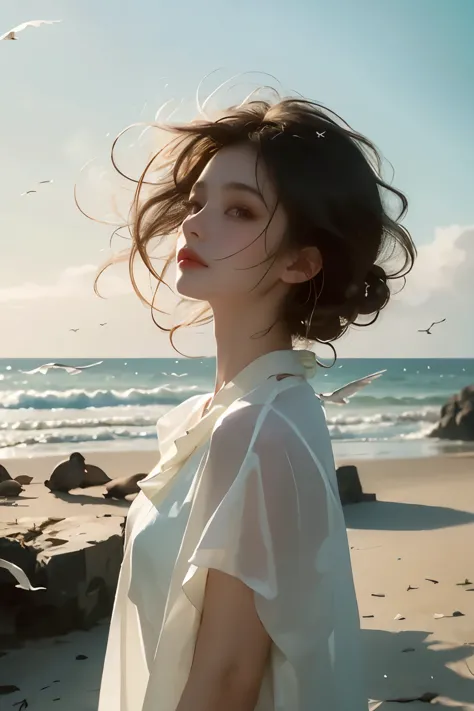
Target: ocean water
pixel 115 406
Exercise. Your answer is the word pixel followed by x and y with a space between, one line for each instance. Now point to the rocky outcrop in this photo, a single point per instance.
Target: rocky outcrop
pixel 350 488
pixel 457 417
pixel 76 559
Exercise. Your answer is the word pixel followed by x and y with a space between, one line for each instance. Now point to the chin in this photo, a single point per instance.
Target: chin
pixel 189 286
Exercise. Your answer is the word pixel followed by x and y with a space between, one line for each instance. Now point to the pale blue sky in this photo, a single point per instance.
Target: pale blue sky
pixel 401 72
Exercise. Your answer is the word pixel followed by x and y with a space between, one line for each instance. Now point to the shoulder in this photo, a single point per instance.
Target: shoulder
pixel 288 429
pixel 264 418
pixel 272 407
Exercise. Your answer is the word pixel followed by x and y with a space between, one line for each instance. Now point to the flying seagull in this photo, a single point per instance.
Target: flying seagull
pixel 71 369
pixel 103 324
pixel 342 395
pixel 428 330
pixel 11 34
pixel 74 330
pixel 19 575
pixel 41 182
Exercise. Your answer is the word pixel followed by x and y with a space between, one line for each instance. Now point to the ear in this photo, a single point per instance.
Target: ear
pixel 302 266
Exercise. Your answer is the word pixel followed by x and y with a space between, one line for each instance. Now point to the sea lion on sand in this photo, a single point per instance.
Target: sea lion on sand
pixel 10 488
pixel 23 479
pixel 94 476
pixel 120 488
pixel 4 475
pixel 67 475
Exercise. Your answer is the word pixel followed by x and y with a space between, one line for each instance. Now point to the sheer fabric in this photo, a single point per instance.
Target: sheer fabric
pixel 249 489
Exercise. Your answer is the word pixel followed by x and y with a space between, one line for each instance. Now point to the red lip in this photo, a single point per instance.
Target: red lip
pixel 187 255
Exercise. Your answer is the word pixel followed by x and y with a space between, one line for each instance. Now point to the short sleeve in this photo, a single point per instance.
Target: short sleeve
pixel 267 524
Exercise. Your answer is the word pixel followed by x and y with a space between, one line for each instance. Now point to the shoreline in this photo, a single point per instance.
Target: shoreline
pixel 380 450
pixel 148 458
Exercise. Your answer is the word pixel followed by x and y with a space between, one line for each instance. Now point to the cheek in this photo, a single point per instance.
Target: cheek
pixel 259 252
pixel 248 243
pixel 244 273
pixel 244 254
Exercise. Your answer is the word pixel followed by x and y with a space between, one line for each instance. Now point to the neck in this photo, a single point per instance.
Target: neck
pixel 236 348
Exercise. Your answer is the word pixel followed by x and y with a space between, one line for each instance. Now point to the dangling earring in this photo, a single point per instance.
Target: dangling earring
pixel 316 299
pixel 310 284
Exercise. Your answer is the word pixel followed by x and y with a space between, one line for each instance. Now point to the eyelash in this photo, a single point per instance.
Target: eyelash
pixel 245 213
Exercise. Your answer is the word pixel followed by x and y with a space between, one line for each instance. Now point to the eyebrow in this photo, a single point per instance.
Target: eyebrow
pixel 243 187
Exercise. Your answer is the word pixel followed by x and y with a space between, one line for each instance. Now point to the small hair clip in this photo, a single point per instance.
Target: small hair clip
pixel 320 134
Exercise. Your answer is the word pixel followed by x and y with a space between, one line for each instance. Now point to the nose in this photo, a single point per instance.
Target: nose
pixel 192 226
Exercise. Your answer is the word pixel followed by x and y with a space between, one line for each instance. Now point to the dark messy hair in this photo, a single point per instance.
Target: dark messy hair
pixel 327 179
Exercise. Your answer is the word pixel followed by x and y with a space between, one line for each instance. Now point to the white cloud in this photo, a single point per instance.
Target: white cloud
pixel 73 282
pixel 441 265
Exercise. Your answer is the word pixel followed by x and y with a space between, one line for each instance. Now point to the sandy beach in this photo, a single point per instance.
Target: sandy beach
pixel 411 551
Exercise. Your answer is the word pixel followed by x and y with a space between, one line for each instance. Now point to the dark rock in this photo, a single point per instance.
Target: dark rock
pixel 467 393
pixel 449 409
pixel 446 428
pixel 465 418
pixel 350 488
pixel 457 417
pixel 80 578
pixel 7 625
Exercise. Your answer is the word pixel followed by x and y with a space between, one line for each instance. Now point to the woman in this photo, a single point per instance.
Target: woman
pixel 236 590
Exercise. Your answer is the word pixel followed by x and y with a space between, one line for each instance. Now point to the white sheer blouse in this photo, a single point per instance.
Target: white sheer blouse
pixel 249 489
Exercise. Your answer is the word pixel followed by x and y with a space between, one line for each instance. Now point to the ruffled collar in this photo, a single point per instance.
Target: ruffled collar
pixel 177 445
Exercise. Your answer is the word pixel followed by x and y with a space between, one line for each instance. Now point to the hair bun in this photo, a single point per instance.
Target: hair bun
pixel 377 293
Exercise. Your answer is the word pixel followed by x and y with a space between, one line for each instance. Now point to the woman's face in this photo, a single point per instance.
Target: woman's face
pixel 232 226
